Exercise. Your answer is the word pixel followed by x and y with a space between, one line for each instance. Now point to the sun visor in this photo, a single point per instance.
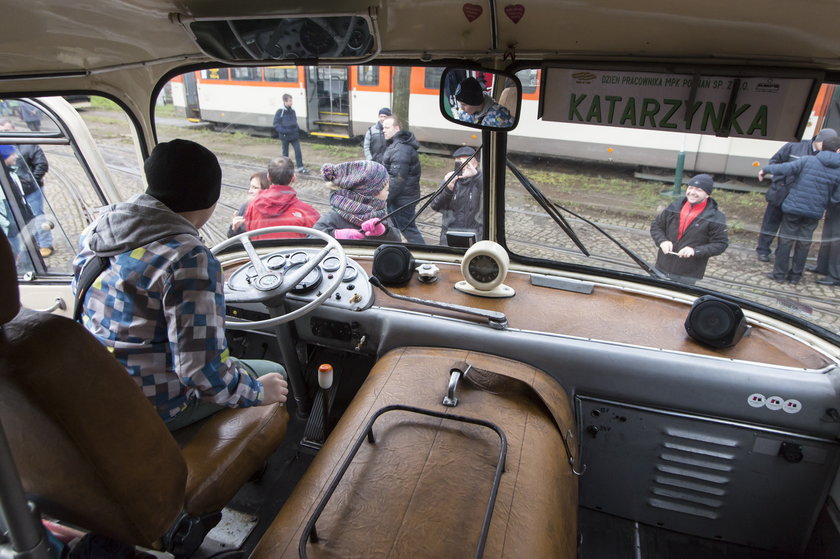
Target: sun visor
pixel 300 39
pixel 773 105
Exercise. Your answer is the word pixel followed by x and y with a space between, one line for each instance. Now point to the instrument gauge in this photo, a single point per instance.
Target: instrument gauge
pixel 331 264
pixel 309 282
pixel 275 261
pixel 350 273
pixel 299 257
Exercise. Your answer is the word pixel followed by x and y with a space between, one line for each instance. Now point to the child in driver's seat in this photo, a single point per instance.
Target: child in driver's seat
pixel 357 204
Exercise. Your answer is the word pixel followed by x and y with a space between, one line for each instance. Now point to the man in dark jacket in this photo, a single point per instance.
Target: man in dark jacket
pixel 286 125
pixel 374 138
pixel 689 232
pixel 31 168
pixel 403 166
pixel 460 201
pixel 780 186
pixel 816 185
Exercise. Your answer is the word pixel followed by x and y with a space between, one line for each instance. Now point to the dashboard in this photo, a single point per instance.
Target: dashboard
pixel 354 292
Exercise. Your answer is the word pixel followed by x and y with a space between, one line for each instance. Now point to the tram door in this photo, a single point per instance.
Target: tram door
pixel 328 102
pixel 832 114
pixel 193 112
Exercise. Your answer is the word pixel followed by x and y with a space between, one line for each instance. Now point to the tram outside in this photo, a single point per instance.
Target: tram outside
pixel 540 388
pixel 342 103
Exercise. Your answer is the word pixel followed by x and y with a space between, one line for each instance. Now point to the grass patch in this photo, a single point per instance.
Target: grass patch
pixel 165 110
pixel 103 103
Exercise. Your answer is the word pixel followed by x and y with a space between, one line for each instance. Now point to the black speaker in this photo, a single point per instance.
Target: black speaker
pixel 393 264
pixel 715 322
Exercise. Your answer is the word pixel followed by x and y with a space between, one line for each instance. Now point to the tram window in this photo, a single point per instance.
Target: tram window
pixel 246 74
pixel 431 78
pixel 529 79
pixel 48 196
pixel 215 74
pixel 369 75
pixel 287 74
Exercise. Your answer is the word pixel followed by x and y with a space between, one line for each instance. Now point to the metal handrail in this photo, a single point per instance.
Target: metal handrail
pixel 310 532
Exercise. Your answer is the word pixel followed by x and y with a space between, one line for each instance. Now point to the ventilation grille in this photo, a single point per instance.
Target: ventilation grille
pixel 693 473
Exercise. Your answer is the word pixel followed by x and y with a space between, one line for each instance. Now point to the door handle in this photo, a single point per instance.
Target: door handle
pixel 58 304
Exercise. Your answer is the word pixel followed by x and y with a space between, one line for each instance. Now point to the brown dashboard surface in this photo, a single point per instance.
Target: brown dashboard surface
pixel 607 314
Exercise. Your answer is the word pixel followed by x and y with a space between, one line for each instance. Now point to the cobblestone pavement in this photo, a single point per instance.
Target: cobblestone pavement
pixel 530 232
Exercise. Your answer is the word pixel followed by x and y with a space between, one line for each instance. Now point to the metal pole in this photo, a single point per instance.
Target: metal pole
pixel 24 527
pixel 678 173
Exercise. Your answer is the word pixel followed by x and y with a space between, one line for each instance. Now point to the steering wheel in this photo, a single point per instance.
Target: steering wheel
pixel 271 286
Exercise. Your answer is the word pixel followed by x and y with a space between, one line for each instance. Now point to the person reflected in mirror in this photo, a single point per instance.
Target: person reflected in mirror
pixel 403 165
pixel 278 204
pixel 358 202
pixel 460 202
pixel 286 125
pixel 31 115
pixel 780 187
pixel 159 304
pixel 258 181
pixel 689 232
pixel 32 179
pixel 374 144
pixel 477 107
pixel 816 186
pixel 453 79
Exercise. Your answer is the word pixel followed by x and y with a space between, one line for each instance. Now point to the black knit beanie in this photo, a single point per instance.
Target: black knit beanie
pixel 184 175
pixel 470 92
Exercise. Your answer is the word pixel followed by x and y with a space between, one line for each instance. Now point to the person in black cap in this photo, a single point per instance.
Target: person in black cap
pixel 374 139
pixel 689 232
pixel 158 305
pixel 476 107
pixel 780 186
pixel 460 202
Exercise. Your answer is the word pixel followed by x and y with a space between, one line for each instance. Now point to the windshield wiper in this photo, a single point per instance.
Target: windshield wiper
pixel 551 209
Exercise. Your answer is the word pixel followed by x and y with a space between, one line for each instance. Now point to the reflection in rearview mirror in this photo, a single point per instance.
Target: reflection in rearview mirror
pixel 480 98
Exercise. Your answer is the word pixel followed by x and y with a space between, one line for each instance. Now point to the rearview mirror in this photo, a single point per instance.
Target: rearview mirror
pixel 484 99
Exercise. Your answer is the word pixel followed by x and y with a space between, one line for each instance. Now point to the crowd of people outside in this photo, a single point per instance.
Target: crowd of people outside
pixel 27 167
pixel 371 198
pixel 804 190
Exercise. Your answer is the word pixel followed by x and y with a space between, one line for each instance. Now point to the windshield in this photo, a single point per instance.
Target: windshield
pixel 619 204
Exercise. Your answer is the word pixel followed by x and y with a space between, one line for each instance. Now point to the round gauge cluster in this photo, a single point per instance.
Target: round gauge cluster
pixel 332 264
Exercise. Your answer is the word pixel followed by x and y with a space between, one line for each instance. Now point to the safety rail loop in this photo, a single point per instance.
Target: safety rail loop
pixel 310 533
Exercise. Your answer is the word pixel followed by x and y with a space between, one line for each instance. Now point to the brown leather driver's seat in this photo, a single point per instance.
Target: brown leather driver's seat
pixel 92 452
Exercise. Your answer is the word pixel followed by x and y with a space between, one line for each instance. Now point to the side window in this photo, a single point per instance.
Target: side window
pixel 369 75
pixel 245 74
pixel 215 74
pixel 48 191
pixel 431 78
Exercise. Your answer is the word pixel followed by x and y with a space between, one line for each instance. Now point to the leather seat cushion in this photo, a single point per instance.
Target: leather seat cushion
pixel 223 452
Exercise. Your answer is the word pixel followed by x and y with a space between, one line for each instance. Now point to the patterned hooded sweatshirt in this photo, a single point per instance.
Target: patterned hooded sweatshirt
pixel 159 307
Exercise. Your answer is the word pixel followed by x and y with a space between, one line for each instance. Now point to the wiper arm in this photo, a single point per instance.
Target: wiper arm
pixel 495 319
pixel 548 207
pixel 567 228
pixel 627 250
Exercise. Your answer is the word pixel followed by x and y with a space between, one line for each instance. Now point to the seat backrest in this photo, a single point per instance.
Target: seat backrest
pixel 90 449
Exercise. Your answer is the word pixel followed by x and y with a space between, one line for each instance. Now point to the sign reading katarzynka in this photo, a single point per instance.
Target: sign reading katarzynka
pixel 750 107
